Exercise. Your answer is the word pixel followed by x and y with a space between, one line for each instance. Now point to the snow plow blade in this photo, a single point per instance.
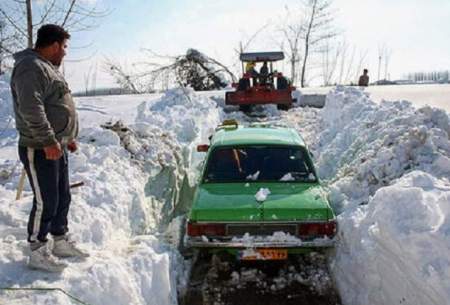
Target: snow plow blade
pixel 312 100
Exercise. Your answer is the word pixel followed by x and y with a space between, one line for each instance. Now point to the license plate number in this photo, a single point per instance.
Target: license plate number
pixel 263 254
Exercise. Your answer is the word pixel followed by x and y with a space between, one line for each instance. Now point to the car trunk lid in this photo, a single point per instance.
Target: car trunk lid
pixel 225 202
pixel 236 202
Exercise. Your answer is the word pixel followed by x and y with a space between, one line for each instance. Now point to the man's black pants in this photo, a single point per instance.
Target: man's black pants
pixel 49 180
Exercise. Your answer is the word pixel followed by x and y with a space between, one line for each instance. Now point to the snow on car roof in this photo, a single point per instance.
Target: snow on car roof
pixel 257 135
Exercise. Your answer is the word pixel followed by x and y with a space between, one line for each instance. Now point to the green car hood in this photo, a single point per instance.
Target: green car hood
pixel 237 202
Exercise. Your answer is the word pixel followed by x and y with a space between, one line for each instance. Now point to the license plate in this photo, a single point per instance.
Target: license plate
pixel 263 254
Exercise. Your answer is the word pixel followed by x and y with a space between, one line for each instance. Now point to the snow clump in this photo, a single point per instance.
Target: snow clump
pixel 262 194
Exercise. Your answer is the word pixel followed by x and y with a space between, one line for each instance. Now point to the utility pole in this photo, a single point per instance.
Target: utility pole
pixel 387 57
pixel 379 66
pixel 381 51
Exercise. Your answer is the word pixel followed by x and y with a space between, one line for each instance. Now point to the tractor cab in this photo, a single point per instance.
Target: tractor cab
pixel 261 83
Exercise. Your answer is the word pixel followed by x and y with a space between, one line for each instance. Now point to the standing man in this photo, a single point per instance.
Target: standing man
pixel 364 79
pixel 47 123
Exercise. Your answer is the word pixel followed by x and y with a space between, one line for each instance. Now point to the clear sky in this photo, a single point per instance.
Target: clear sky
pixel 417 32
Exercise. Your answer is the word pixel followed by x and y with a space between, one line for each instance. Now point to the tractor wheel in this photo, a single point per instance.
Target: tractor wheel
pixel 243 84
pixel 245 108
pixel 284 107
pixel 282 83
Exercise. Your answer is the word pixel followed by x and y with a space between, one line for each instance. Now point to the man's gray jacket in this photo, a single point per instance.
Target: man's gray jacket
pixel 43 105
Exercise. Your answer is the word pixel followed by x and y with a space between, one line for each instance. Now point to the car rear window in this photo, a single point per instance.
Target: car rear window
pixel 259 163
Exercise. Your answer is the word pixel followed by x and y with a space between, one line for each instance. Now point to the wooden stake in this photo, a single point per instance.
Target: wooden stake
pixel 21 184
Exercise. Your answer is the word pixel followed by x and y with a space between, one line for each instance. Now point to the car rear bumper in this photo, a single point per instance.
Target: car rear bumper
pixel 203 242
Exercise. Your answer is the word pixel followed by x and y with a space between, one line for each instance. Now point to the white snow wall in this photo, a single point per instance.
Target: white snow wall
pixel 387 166
pixel 169 131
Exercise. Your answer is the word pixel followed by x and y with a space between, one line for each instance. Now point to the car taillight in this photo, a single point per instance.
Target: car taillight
pixel 318 229
pixel 197 229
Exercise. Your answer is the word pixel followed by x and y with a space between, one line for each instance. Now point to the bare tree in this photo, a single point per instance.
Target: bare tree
pixel 361 61
pixel 29 24
pixel 90 79
pixel 8 43
pixel 23 17
pixel 193 69
pixel 244 45
pixel 343 51
pixel 292 34
pixel 318 27
pixel 384 56
pixel 5 40
pixel 123 78
pixel 330 58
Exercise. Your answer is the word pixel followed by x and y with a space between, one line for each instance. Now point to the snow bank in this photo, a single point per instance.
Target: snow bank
pixel 387 167
pixel 135 177
pixel 107 217
pixel 364 146
pixel 169 131
pixel 399 245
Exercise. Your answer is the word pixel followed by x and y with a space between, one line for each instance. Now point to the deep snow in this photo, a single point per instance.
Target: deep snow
pixel 386 166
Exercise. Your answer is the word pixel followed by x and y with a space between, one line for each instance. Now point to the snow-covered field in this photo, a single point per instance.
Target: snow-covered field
pixel 435 95
pixel 387 167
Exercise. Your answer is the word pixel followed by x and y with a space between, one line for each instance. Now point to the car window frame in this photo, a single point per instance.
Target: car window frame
pixel 304 149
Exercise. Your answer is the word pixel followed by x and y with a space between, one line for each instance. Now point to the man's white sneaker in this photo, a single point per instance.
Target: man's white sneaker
pixel 42 259
pixel 62 247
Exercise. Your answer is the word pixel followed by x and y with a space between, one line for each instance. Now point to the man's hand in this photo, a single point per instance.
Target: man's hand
pixel 72 146
pixel 53 152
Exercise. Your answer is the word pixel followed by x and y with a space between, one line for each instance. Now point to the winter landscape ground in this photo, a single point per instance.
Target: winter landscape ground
pixel 386 166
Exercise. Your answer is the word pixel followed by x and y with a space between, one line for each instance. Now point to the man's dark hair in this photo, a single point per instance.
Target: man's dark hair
pixel 365 71
pixel 49 34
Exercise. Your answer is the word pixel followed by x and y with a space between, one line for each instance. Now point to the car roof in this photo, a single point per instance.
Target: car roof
pixel 256 135
pixel 262 56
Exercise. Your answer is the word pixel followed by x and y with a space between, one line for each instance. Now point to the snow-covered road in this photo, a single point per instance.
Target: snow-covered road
pixel 387 166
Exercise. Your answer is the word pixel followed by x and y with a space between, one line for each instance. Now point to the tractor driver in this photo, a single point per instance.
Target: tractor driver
pixel 263 73
pixel 250 68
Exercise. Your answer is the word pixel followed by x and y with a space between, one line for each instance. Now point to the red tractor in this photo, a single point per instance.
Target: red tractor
pixel 264 87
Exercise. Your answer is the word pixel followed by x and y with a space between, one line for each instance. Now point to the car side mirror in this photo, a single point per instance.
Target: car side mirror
pixel 202 147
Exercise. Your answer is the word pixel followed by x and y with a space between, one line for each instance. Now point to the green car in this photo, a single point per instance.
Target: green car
pixel 259 196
